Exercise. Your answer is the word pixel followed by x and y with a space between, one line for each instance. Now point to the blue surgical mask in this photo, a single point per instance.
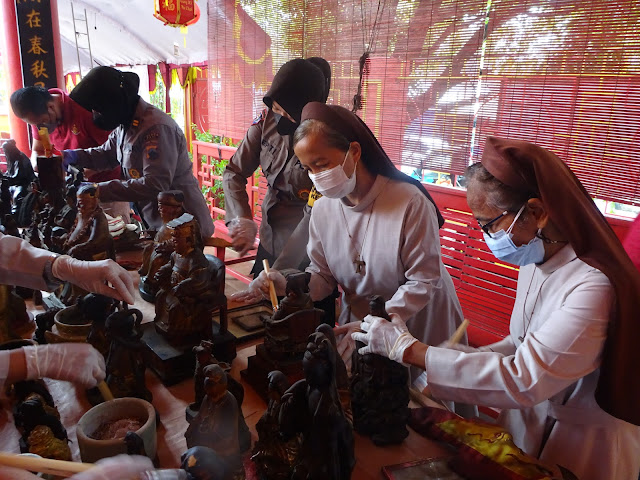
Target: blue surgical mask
pixel 504 249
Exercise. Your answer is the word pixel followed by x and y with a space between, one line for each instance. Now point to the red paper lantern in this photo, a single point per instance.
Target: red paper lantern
pixel 177 13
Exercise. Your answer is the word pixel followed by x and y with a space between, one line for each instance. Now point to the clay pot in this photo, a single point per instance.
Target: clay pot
pixel 69 326
pixel 92 450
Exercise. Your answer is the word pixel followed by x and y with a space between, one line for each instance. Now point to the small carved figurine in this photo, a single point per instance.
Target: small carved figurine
pixel 158 253
pixel 44 323
pixel 96 309
pixel 66 217
pixel 275 457
pixel 216 424
pixel 296 296
pixel 19 173
pixel 379 392
pixel 10 226
pixel 13 314
pixel 5 197
pixel 203 463
pixel 32 413
pixel 311 408
pixel 125 363
pixel 204 358
pixel 187 294
pixel 286 333
pixel 89 238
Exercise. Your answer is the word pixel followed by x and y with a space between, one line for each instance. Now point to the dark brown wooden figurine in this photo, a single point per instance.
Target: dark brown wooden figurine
pixel 158 253
pixel 189 289
pixel 125 364
pixel 216 424
pixel 379 392
pixel 275 457
pixel 311 408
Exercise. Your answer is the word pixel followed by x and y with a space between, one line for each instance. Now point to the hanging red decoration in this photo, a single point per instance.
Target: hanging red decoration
pixel 177 13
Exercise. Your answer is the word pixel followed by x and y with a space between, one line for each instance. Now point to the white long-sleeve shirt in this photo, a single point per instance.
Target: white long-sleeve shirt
pixel 399 229
pixel 545 372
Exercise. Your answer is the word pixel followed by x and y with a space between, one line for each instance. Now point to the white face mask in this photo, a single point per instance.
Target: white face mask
pixel 334 183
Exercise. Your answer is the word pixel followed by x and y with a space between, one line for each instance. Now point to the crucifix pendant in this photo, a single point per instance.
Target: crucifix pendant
pixel 359 264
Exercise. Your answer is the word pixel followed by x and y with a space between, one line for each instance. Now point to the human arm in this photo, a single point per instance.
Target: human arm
pixel 75 362
pixel 566 348
pixel 104 157
pixel 420 256
pixel 244 162
pixel 159 147
pixel 322 282
pixel 295 250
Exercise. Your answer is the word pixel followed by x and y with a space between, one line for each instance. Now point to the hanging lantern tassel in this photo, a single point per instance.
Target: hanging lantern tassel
pixel 184 31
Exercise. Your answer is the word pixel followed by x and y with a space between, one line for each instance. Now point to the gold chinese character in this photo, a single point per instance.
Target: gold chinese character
pixel 39 84
pixel 33 19
pixel 38 69
pixel 36 46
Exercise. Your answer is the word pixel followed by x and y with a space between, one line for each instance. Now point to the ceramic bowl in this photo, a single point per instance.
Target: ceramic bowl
pixel 70 326
pixel 92 450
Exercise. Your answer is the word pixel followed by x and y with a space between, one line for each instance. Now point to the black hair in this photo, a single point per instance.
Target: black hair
pixel 333 138
pixel 30 100
pixel 499 195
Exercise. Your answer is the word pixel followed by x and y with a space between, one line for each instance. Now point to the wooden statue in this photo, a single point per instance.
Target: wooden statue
pixel 41 429
pixel 275 457
pixel 158 254
pixel 203 463
pixel 216 424
pixel 66 217
pixel 5 197
pixel 125 363
pixel 379 392
pixel 188 294
pixel 19 174
pixel 14 318
pixel 311 408
pixel 286 333
pixel 44 323
pixel 96 309
pixel 89 238
pixel 204 358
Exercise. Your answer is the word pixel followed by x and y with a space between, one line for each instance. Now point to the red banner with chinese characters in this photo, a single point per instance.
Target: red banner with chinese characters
pixel 177 13
pixel 35 31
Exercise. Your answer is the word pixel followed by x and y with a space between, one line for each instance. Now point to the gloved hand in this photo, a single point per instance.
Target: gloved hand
pixel 69 157
pixel 387 338
pixel 73 362
pixel 346 344
pixel 258 289
pixel 122 467
pixel 243 234
pixel 93 276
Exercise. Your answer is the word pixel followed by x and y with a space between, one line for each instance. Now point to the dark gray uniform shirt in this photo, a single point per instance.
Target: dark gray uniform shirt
pixel 153 155
pixel 289 184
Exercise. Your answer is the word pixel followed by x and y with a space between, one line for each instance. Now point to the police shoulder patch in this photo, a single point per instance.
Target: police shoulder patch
pixel 313 196
pixel 260 117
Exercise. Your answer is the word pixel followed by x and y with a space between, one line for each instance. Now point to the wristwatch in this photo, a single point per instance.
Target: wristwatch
pixel 47 273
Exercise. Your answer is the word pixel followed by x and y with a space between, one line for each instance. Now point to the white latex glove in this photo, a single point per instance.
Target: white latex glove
pixel 121 467
pixel 73 362
pixel 258 289
pixel 346 344
pixel 93 276
pixel 243 234
pixel 387 338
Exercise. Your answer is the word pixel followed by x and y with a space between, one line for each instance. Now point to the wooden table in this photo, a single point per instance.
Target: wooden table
pixel 170 402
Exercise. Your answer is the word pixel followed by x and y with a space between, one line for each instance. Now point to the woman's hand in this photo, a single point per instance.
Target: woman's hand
pixel 383 337
pixel 346 344
pixel 259 287
pixel 74 362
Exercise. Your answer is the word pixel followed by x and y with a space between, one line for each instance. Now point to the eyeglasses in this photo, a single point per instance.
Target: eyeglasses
pixel 485 227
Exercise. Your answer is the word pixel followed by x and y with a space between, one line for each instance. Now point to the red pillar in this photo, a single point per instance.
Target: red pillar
pixel 13 70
